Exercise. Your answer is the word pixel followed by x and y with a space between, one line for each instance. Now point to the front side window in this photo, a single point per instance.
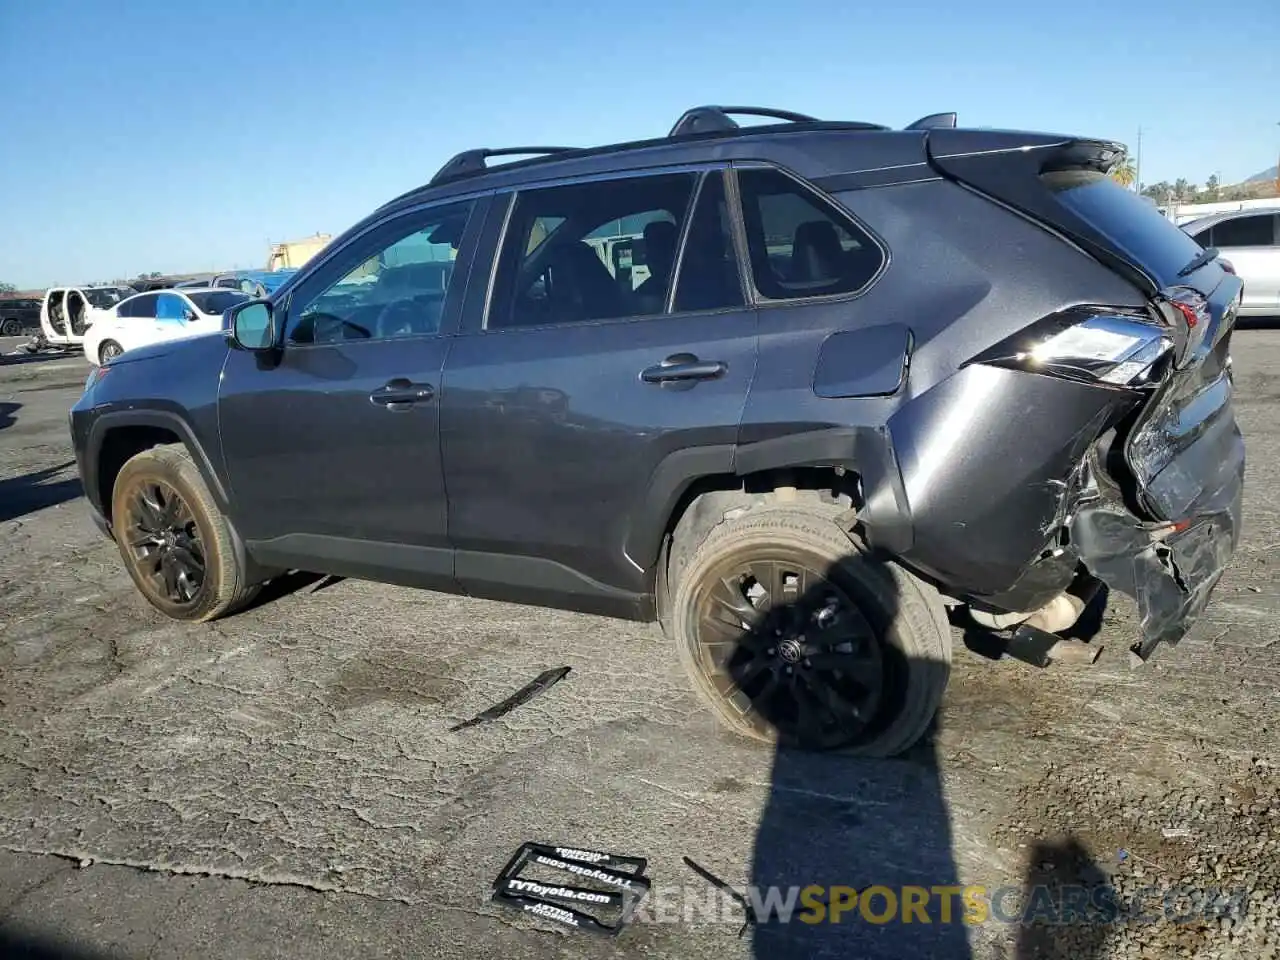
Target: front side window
pixel 1255 231
pixel 171 308
pixel 592 251
pixel 390 284
pixel 799 244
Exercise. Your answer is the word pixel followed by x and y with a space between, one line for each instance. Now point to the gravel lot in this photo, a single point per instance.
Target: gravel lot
pixel 284 783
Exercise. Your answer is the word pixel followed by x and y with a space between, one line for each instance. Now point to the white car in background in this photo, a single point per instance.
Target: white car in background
pixel 1250 241
pixel 155 317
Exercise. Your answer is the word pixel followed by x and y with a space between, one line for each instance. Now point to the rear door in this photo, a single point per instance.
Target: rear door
pixel 571 403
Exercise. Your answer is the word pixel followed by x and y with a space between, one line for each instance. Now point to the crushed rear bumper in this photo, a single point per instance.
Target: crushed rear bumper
pixel 1186 458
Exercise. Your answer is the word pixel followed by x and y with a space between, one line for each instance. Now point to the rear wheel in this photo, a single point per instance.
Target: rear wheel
pixel 11 327
pixel 794 636
pixel 109 350
pixel 175 543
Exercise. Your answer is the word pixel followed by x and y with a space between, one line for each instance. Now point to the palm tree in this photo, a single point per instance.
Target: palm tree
pixel 1124 172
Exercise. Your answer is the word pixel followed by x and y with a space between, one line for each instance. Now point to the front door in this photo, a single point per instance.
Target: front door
pixel 333 453
pixel 577 400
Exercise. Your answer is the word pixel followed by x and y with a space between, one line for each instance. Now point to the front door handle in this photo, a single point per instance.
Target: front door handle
pixel 400 394
pixel 683 366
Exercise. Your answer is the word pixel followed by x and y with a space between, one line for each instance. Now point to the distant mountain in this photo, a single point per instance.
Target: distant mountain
pixel 1264 175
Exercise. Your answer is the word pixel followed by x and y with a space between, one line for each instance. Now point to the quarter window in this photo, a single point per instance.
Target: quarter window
pixel 592 251
pixel 799 244
pixel 389 285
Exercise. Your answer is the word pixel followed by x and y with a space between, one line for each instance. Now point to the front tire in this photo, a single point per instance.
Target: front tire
pixel 11 328
pixel 109 350
pixel 793 636
pixel 175 543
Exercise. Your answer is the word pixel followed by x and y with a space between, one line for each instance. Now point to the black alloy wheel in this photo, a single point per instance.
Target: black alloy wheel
pixel 788 651
pixel 165 544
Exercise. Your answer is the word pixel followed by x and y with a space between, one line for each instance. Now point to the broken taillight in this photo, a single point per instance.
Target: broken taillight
pixel 1088 344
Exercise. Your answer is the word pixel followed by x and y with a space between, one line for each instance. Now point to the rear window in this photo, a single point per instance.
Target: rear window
pixel 215 302
pixel 1129 221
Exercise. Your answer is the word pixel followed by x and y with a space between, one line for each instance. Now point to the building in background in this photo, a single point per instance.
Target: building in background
pixel 294 253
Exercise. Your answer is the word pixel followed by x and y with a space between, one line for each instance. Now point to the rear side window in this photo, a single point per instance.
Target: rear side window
pixel 799 244
pixel 143 306
pixel 603 250
pixel 1129 221
pixel 1255 231
pixel 709 278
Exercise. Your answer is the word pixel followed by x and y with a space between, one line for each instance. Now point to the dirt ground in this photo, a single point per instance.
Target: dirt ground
pixel 284 783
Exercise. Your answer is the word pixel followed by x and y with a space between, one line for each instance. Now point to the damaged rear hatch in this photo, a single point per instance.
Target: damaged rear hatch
pixel 1160 510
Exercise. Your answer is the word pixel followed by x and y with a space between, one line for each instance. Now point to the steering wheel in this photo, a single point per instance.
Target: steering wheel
pixel 397 313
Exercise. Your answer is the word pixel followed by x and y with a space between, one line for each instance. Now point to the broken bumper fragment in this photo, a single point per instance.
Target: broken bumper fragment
pixel 1186 454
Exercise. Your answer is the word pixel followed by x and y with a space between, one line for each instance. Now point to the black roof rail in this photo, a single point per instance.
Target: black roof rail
pixel 472 161
pixel 934 121
pixel 713 119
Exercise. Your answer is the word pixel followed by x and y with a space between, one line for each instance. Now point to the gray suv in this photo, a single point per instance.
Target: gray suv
pixel 844 377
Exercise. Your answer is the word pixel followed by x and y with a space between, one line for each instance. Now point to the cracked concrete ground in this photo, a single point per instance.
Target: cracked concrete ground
pixel 283 783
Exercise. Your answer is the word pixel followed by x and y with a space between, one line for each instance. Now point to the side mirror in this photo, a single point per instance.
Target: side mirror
pixel 252 325
pixel 189 315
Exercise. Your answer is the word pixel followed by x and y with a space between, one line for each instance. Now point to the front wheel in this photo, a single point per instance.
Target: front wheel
pixel 109 351
pixel 11 327
pixel 793 636
pixel 175 543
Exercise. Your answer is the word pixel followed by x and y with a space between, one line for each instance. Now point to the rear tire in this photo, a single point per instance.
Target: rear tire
pixel 175 544
pixel 109 350
pixel 11 328
pixel 855 657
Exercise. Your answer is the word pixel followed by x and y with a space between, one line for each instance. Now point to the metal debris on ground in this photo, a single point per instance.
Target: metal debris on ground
pixel 615 882
pixel 522 696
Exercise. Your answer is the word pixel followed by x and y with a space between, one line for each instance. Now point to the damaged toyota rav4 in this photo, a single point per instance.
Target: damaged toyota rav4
pixel 790 389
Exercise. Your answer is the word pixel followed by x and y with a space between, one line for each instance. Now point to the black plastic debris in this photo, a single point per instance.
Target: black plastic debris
pixel 522 696
pixel 609 882
pixel 724 887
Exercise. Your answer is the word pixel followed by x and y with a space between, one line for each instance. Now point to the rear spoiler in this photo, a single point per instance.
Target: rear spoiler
pixel 1006 167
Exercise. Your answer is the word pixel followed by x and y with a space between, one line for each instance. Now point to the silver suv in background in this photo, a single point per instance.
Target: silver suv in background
pixel 1250 241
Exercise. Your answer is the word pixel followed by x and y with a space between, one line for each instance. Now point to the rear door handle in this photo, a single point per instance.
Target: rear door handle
pixel 400 394
pixel 683 366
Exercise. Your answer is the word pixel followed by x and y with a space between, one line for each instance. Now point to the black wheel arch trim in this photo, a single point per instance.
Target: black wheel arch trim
pixel 865 451
pixel 163 419
pixel 254 571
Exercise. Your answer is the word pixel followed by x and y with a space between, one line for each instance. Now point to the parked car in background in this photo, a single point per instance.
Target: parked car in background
pixel 67 313
pixel 1250 241
pixel 157 316
pixel 19 315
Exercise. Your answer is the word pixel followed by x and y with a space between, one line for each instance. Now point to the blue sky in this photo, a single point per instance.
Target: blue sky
pixel 185 135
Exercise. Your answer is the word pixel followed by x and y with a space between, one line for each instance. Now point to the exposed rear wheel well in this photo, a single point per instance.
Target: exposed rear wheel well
pixel 707 501
pixel 117 447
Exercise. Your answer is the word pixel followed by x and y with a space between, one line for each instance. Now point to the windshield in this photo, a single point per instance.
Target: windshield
pixel 216 301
